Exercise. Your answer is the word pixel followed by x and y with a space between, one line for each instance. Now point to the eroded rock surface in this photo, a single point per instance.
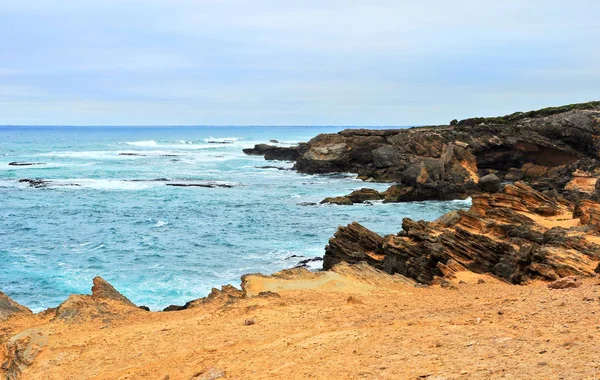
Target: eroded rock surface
pixel 518 234
pixel 8 307
pixel 545 148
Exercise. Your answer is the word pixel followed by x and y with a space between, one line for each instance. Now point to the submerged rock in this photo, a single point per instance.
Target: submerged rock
pixel 25 163
pixel 37 183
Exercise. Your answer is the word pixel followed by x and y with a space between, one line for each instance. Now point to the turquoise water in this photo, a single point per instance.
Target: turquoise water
pixel 104 213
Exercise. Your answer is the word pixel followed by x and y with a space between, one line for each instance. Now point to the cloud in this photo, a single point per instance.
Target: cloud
pixel 311 62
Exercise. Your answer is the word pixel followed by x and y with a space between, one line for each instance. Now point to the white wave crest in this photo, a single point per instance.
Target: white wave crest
pixel 142 143
pixel 222 139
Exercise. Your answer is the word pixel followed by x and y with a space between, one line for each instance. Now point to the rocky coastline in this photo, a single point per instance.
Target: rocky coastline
pixel 534 219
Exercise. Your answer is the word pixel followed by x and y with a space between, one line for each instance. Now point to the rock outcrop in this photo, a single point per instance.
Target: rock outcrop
pixel 105 304
pixel 272 152
pixel 544 148
pixel 517 235
pixel 9 308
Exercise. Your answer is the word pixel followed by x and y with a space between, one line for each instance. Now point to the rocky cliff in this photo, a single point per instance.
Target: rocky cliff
pixel 547 148
pixel 517 235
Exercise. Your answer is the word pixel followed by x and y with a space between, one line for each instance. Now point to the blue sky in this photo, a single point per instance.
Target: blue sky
pixel 227 62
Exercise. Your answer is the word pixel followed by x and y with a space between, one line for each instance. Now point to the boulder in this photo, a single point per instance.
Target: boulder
pixel 489 183
pixel 272 152
pixel 364 194
pixel 565 283
pixel 342 201
pixel 353 244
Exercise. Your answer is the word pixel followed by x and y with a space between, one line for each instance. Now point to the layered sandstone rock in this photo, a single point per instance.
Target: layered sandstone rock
pixel 518 234
pixel 545 148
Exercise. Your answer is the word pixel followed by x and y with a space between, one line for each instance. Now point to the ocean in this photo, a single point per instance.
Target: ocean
pixel 108 210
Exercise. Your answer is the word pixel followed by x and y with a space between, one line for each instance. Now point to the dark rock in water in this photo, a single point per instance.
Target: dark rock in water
pixel 271 152
pixel 362 195
pixel 207 185
pixel 132 154
pixel 272 167
pixel 274 141
pixel 37 183
pixel 304 263
pixel 219 142
pixel 25 163
pixel 357 196
pixel 8 307
pixel 150 180
pixel 342 201
pixel 495 236
pixel 490 183
pixel 307 204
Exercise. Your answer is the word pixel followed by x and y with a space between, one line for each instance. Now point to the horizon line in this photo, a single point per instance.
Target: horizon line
pixel 202 125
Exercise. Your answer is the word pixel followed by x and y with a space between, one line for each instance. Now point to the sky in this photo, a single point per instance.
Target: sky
pixel 286 62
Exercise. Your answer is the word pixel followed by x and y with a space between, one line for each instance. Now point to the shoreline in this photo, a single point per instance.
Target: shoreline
pixel 420 303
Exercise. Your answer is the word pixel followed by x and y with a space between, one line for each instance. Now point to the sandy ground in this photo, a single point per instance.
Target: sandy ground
pixel 339 327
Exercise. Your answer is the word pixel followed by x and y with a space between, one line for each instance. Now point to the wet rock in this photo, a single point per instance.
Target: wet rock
pixel 364 194
pixel 9 308
pixel 342 201
pixel 25 163
pixel 272 167
pixel 565 283
pixel 37 183
pixel 489 183
pixel 304 263
pixel 271 152
pixel 307 204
